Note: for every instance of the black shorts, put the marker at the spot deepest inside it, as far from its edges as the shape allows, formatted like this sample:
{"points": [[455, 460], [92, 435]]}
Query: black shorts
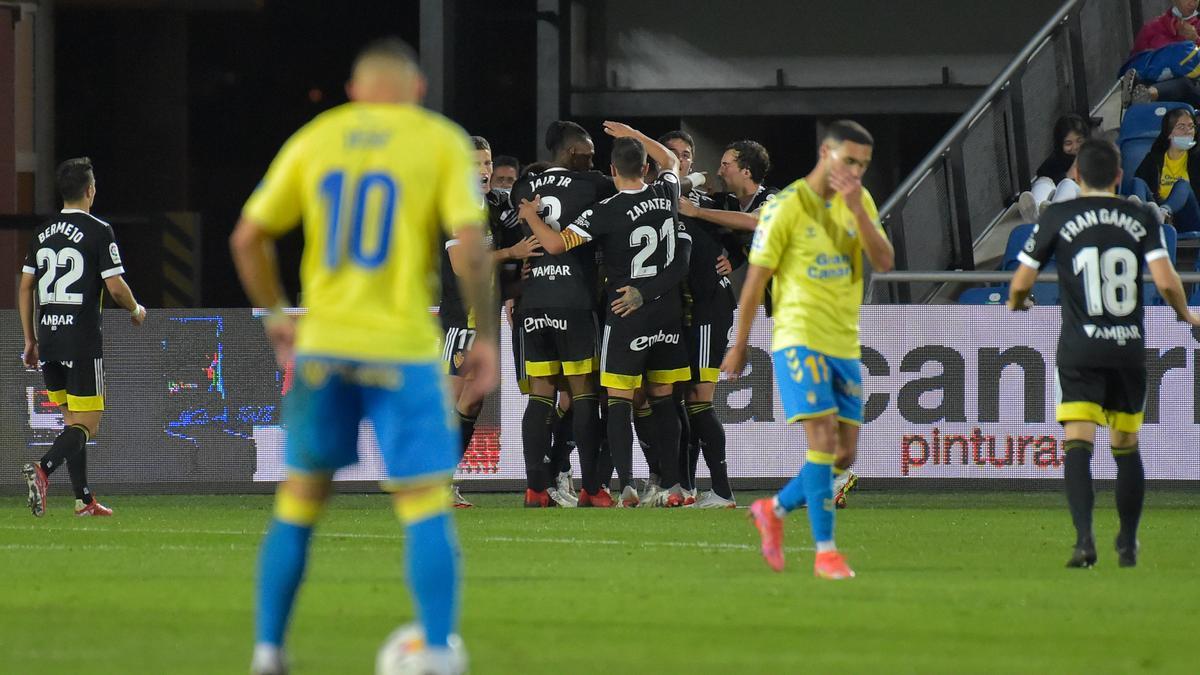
{"points": [[558, 340], [642, 344], [79, 385], [708, 338], [457, 342], [1112, 397]]}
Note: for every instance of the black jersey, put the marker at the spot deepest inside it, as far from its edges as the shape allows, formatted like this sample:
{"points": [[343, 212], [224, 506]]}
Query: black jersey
{"points": [[452, 311], [703, 281], [1099, 244], [638, 235], [71, 256], [566, 280], [738, 243]]}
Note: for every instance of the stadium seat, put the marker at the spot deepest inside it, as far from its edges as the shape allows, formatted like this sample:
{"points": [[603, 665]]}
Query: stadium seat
{"points": [[987, 295], [1140, 126], [1150, 295], [1016, 241]]}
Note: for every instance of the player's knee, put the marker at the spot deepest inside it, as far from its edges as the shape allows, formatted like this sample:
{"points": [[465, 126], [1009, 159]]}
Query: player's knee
{"points": [[541, 386], [300, 499], [414, 504], [1123, 440], [822, 434]]}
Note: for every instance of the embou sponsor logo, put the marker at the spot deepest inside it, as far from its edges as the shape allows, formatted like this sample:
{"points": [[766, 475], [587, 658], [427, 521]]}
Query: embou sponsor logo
{"points": [[646, 341], [534, 323]]}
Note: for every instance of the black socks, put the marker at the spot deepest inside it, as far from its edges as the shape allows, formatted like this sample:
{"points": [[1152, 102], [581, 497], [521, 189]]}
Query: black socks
{"points": [[535, 436], [1077, 472], [72, 439], [1131, 492], [620, 438], [711, 436]]}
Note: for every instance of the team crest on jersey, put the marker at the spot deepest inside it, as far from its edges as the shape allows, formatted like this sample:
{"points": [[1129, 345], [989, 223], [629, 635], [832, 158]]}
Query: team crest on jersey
{"points": [[459, 358], [114, 253], [315, 374]]}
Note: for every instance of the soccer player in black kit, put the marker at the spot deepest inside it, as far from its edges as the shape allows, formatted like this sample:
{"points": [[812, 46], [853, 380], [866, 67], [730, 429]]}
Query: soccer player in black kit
{"points": [[73, 259], [1100, 242], [556, 315], [645, 258]]}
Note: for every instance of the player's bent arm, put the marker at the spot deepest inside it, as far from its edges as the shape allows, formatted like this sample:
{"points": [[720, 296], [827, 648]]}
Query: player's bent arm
{"points": [[458, 257], [733, 220], [666, 160], [879, 250], [121, 293], [475, 279], [254, 257], [1166, 279], [1019, 287]]}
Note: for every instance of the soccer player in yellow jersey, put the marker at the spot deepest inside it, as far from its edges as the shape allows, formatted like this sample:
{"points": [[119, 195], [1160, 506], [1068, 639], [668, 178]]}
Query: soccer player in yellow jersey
{"points": [[811, 240], [376, 182]]}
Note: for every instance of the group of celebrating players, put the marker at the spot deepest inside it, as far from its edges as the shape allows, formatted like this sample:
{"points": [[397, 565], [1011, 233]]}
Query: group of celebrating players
{"points": [[619, 293]]}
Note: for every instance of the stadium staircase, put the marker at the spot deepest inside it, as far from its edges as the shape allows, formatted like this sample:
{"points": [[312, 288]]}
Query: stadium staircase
{"points": [[957, 210]]}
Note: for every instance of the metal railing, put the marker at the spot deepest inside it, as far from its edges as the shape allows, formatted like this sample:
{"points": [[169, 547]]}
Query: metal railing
{"points": [[977, 277], [972, 175]]}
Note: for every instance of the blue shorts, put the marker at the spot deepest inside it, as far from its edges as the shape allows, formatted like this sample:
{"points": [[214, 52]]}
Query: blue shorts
{"points": [[812, 384], [407, 404]]}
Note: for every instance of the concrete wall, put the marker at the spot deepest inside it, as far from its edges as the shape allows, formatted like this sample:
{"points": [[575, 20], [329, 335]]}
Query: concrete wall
{"points": [[816, 43]]}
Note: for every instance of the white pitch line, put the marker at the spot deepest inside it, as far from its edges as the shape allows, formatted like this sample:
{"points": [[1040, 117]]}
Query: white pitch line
{"points": [[703, 545]]}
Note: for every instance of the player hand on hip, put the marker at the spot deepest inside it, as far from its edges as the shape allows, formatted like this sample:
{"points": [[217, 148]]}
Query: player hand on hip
{"points": [[734, 362], [138, 315], [724, 267], [481, 369], [281, 331], [30, 356], [629, 302]]}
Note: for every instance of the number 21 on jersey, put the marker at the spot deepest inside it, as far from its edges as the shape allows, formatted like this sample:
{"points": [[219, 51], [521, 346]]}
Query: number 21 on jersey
{"points": [[374, 185]]}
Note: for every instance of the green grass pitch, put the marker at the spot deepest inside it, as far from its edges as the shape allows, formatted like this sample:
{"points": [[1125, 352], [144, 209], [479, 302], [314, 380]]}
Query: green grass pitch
{"points": [[947, 583]]}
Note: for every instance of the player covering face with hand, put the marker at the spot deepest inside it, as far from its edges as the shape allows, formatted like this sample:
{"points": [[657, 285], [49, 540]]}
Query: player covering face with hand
{"points": [[810, 240]]}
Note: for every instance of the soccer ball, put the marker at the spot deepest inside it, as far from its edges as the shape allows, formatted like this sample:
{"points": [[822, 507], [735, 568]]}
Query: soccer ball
{"points": [[404, 653]]}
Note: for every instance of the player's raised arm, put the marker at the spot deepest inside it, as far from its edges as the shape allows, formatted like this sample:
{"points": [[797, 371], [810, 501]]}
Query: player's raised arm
{"points": [[876, 246], [552, 241], [666, 160]]}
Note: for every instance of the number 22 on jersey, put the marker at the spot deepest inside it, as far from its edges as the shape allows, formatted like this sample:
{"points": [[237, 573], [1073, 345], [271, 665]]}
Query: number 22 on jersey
{"points": [[370, 186]]}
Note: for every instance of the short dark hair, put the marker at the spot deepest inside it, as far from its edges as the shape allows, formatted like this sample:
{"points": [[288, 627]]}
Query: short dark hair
{"points": [[1099, 163], [562, 133], [678, 135], [481, 143], [507, 160], [73, 177], [533, 169], [628, 157], [753, 157], [392, 48], [848, 130]]}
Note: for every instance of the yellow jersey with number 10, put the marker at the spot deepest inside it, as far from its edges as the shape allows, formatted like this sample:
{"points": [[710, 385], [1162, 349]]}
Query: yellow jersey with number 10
{"points": [[375, 185], [817, 255]]}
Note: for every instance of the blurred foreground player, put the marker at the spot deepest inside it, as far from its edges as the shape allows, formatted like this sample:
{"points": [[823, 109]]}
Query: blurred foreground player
{"points": [[811, 240], [374, 181], [1101, 363], [72, 260]]}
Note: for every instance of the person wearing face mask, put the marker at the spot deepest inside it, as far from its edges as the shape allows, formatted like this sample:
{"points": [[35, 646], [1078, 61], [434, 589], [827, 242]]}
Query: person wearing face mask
{"points": [[1171, 170], [1053, 184], [1163, 46]]}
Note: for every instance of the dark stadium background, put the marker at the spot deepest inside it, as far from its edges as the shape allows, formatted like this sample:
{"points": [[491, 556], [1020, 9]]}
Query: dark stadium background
{"points": [[183, 110]]}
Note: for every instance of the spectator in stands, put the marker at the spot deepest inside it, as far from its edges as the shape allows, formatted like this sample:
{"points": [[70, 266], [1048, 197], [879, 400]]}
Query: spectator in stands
{"points": [[1170, 173], [1156, 71], [505, 170], [1053, 182]]}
